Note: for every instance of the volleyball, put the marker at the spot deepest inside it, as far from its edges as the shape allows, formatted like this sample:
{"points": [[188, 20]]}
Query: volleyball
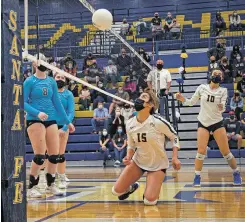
{"points": [[102, 19]]}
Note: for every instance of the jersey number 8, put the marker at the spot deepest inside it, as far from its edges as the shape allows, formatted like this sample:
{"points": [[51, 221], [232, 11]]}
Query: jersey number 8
{"points": [[141, 137], [210, 98], [45, 91]]}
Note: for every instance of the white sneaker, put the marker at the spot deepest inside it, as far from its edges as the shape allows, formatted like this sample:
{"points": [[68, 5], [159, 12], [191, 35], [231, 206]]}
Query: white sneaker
{"points": [[62, 181], [53, 189], [42, 180], [117, 163], [34, 193], [67, 180]]}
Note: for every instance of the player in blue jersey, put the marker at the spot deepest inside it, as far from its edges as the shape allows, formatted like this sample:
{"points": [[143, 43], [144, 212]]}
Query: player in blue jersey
{"points": [[42, 104], [67, 100]]}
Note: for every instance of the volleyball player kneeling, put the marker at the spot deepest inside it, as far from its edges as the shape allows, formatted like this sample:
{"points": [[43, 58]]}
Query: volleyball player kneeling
{"points": [[212, 101], [42, 104], [147, 132]]}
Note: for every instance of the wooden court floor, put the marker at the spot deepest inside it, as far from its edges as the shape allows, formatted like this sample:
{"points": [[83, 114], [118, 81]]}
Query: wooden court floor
{"points": [[89, 198]]}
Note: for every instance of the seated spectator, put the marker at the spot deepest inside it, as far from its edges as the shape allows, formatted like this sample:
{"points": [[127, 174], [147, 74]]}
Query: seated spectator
{"points": [[142, 80], [69, 64], [126, 112], [144, 55], [100, 118], [123, 62], [227, 70], [238, 66], [243, 123], [124, 27], [219, 24], [120, 93], [111, 74], [235, 53], [235, 21], [218, 52], [236, 104], [73, 87], [129, 86], [119, 142], [168, 22], [92, 73], [241, 85], [104, 145], [98, 96], [175, 30], [88, 61], [140, 26], [84, 98], [232, 126], [156, 22], [118, 119], [212, 65]]}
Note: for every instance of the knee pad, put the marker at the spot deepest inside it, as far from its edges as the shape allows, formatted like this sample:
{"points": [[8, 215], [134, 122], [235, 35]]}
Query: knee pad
{"points": [[115, 193], [53, 159], [62, 158], [229, 156], [39, 159], [200, 156], [150, 203]]}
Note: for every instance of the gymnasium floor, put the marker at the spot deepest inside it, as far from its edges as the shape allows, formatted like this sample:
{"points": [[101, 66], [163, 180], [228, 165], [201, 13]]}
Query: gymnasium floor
{"points": [[89, 198]]}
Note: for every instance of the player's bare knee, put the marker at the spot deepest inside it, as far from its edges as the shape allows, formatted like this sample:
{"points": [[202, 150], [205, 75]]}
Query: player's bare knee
{"points": [[200, 156]]}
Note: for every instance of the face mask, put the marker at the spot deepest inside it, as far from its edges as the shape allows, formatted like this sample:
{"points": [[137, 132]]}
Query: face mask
{"points": [[159, 66], [126, 107], [118, 113], [139, 104], [238, 58], [232, 117], [212, 61], [120, 91], [104, 133], [119, 131], [42, 68], [100, 106], [216, 79], [225, 60], [60, 84], [127, 80], [72, 81], [235, 14], [156, 16], [218, 45], [100, 85], [237, 94]]}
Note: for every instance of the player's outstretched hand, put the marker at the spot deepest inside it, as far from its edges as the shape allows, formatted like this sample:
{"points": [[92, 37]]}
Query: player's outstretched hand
{"points": [[126, 160], [179, 97], [42, 116], [176, 163], [71, 128]]}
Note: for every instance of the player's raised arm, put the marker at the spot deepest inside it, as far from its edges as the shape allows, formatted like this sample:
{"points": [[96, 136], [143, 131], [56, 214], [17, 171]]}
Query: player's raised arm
{"points": [[193, 100]]}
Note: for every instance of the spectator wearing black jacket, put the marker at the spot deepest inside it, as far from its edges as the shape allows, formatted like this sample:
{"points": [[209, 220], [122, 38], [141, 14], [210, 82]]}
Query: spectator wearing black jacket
{"points": [[88, 61], [142, 80], [238, 66], [212, 65], [235, 53], [117, 119], [232, 126], [241, 85], [98, 96], [123, 62], [218, 52], [226, 68], [219, 24], [104, 145]]}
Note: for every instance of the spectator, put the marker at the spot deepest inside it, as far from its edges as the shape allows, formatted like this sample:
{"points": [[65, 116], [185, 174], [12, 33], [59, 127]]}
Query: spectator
{"points": [[238, 66], [124, 27], [219, 24], [142, 80], [129, 86], [88, 61], [104, 145], [168, 22], [144, 55], [119, 142], [227, 70], [73, 87], [140, 26], [69, 64], [156, 21], [84, 98], [235, 21], [175, 30], [157, 31], [243, 123], [235, 53], [212, 65], [100, 118], [118, 119], [92, 73], [159, 79], [123, 62], [98, 96], [236, 104], [111, 74], [241, 85], [121, 94], [232, 127], [218, 52], [126, 112]]}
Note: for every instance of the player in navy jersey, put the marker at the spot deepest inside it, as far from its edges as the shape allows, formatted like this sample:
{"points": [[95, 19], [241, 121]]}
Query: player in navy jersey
{"points": [[42, 104], [213, 103], [147, 133], [67, 100]]}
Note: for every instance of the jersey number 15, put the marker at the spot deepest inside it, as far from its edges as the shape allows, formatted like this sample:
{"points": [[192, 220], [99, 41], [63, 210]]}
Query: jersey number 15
{"points": [[141, 137], [210, 98]]}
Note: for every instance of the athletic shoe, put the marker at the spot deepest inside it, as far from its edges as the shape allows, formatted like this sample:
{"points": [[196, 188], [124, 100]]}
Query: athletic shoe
{"points": [[62, 181], [134, 187], [197, 181], [104, 163], [53, 189], [42, 180], [237, 179], [117, 163], [67, 180], [34, 193]]}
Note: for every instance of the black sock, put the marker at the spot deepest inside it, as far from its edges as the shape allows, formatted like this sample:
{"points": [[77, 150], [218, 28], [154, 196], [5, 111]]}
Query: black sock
{"points": [[33, 182], [50, 179]]}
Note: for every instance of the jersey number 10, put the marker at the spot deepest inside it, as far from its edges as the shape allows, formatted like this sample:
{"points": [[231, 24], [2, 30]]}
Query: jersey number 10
{"points": [[210, 98], [141, 137]]}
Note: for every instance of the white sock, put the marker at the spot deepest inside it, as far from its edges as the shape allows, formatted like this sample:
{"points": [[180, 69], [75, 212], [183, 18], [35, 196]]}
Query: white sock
{"points": [[198, 172], [53, 174], [235, 170]]}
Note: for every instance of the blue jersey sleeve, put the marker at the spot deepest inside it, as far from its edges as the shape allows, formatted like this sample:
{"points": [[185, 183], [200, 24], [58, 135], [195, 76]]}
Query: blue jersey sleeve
{"points": [[70, 109], [27, 91], [57, 103]]}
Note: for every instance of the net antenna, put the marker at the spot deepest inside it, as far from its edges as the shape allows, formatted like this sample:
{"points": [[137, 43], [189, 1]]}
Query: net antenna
{"points": [[92, 10]]}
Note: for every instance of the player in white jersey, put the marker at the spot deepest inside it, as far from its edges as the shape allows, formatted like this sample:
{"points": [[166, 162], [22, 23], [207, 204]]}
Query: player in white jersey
{"points": [[213, 103], [147, 132]]}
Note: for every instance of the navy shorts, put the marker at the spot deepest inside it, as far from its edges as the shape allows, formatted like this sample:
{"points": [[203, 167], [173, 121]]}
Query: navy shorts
{"points": [[45, 123], [213, 127]]}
